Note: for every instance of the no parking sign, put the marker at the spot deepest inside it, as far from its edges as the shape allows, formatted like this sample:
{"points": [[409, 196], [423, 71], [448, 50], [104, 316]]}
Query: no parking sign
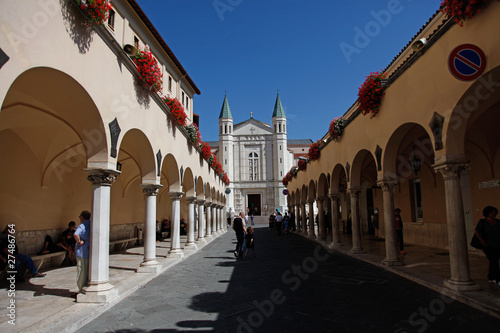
{"points": [[467, 62]]}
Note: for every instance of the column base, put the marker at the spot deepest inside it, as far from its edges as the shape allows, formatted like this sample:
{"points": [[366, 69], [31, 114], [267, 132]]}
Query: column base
{"points": [[98, 293], [357, 250], [201, 241], [311, 236], [335, 244], [152, 266], [461, 285], [209, 238], [190, 246], [392, 262], [176, 253]]}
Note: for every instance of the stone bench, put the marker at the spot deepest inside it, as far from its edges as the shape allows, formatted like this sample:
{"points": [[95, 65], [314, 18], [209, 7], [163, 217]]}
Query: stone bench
{"points": [[55, 259], [121, 244]]}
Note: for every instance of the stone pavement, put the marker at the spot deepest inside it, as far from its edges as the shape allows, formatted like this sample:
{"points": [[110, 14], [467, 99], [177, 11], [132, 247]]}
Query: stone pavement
{"points": [[48, 304]]}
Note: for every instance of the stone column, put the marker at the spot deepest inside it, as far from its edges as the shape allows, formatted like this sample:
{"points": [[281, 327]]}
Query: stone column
{"points": [[175, 235], [214, 219], [356, 226], [391, 245], [321, 218], [201, 221], [304, 219], [335, 220], [311, 220], [459, 257], [208, 222], [99, 289], [190, 244], [150, 265]]}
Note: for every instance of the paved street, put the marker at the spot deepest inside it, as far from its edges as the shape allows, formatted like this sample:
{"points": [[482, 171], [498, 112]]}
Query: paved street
{"points": [[293, 285]]}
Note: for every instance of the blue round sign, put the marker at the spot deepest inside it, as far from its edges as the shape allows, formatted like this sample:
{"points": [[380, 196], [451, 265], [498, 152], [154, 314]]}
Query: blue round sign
{"points": [[285, 192], [467, 62]]}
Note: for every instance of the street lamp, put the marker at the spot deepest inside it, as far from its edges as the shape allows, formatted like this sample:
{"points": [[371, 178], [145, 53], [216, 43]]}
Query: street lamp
{"points": [[415, 162]]}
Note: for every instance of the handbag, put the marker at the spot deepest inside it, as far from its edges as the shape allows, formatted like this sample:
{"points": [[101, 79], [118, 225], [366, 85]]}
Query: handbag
{"points": [[476, 243]]}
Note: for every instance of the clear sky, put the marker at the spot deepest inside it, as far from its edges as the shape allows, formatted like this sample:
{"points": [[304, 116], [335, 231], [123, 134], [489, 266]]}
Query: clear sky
{"points": [[316, 52]]}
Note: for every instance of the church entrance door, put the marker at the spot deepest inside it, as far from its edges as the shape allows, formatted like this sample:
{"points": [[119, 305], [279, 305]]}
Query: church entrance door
{"points": [[254, 204]]}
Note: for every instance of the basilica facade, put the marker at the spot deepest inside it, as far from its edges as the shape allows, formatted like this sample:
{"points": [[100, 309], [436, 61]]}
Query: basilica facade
{"points": [[256, 156]]}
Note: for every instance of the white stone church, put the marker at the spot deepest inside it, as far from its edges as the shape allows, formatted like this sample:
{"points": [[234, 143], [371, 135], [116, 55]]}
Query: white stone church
{"points": [[256, 156]]}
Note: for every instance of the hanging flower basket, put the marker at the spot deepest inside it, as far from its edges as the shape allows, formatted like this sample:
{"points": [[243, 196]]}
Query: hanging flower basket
{"points": [[302, 164], [194, 135], [206, 152], [336, 129], [461, 11], [176, 110], [314, 152], [287, 178], [149, 70], [370, 94], [225, 179], [97, 11]]}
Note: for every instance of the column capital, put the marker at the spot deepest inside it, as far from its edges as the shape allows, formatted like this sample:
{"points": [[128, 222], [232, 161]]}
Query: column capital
{"points": [[303, 202], [387, 185], [207, 203], [321, 198], [103, 177], [450, 170], [200, 201], [354, 190], [191, 200], [151, 189], [175, 195]]}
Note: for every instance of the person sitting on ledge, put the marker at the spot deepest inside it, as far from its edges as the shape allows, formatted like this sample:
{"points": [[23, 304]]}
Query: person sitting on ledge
{"points": [[24, 259]]}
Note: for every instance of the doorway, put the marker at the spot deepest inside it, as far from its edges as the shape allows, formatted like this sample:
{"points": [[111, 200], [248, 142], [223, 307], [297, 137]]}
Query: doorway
{"points": [[254, 204]]}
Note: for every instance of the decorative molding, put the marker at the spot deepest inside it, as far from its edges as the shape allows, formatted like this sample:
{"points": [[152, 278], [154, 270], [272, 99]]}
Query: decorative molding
{"points": [[151, 189], [115, 130], [158, 161], [436, 125]]}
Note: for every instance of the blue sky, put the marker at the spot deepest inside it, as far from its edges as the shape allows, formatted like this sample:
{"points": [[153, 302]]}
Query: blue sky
{"points": [[316, 52]]}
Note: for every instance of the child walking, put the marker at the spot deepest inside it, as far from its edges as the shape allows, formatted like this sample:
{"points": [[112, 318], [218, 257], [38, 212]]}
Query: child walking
{"points": [[249, 242]]}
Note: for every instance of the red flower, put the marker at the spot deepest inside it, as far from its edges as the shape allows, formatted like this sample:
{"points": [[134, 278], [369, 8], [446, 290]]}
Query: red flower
{"points": [[96, 10], [206, 152], [149, 70], [302, 164], [314, 152], [176, 110], [461, 10], [370, 93]]}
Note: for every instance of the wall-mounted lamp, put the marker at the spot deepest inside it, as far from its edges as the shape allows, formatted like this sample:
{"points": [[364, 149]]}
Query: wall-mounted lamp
{"points": [[303, 158], [415, 162], [419, 44], [118, 166]]}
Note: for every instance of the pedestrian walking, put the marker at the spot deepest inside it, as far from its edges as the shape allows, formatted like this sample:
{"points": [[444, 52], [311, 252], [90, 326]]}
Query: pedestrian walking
{"points": [[249, 242], [488, 232], [240, 230]]}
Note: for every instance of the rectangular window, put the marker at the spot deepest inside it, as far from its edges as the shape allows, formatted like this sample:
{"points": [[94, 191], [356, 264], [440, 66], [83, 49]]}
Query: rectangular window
{"points": [[187, 103], [183, 98], [169, 83], [416, 197], [136, 42], [111, 19]]}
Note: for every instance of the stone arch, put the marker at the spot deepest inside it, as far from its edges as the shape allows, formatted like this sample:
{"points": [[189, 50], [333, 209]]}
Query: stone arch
{"points": [[137, 160], [481, 96], [50, 129], [188, 183]]}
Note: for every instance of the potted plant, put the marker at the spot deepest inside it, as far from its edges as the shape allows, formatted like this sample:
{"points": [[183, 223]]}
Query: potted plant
{"points": [[314, 152], [176, 110], [461, 11], [97, 11], [336, 129], [149, 70], [370, 93], [194, 135]]}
